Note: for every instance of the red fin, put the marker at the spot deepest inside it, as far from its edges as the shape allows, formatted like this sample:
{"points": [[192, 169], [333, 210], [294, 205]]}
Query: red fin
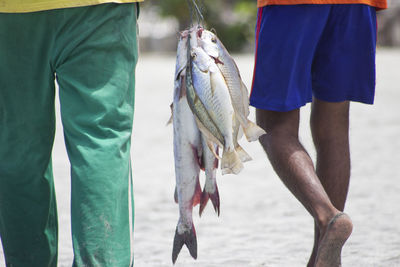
{"points": [[205, 196], [197, 193], [215, 200], [203, 201]]}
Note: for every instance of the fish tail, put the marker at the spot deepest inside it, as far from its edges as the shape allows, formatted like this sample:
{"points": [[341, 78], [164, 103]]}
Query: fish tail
{"points": [[243, 155], [188, 239], [253, 131], [214, 196], [231, 162]]}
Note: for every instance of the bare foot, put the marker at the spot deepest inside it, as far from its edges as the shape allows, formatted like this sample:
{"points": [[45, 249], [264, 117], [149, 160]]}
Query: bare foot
{"points": [[330, 248], [311, 260]]}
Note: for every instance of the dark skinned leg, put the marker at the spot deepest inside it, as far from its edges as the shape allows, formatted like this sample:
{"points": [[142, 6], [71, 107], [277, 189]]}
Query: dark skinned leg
{"points": [[296, 170], [330, 130], [292, 163]]}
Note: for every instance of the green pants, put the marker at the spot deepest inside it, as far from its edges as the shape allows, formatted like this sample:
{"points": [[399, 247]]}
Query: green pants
{"points": [[92, 53]]}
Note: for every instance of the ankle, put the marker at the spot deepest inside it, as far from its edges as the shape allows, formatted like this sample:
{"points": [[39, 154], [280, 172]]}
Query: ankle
{"points": [[324, 219]]}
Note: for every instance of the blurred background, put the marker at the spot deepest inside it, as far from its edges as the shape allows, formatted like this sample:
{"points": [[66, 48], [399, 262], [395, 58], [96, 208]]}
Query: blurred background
{"points": [[234, 22]]}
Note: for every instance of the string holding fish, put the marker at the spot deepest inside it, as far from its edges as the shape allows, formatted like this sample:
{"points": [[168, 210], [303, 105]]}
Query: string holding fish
{"points": [[195, 9]]}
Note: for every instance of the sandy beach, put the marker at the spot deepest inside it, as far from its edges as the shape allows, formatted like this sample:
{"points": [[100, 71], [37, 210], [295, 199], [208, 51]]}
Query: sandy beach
{"points": [[261, 223]]}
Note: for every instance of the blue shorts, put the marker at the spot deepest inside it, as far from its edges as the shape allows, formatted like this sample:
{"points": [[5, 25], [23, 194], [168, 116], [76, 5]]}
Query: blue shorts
{"points": [[325, 51]]}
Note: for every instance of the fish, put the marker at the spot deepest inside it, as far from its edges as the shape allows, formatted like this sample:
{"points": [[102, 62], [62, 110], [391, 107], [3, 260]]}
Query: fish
{"points": [[211, 90], [237, 89], [202, 117], [210, 166], [187, 154], [209, 111]]}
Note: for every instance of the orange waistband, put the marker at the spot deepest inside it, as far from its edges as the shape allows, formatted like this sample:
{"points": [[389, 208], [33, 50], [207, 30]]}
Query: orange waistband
{"points": [[380, 4]]}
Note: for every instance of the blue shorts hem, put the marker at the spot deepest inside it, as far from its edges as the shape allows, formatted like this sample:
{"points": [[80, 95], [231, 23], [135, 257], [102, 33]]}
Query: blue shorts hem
{"points": [[358, 99], [280, 108], [285, 108]]}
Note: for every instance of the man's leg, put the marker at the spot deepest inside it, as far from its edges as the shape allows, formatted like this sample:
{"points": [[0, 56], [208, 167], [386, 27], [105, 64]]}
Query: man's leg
{"points": [[28, 210], [330, 130], [295, 168], [96, 78]]}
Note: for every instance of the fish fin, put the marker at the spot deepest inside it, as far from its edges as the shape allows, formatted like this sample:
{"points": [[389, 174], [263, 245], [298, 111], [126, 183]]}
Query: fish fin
{"points": [[205, 196], [243, 155], [231, 162], [197, 192], [176, 195], [210, 145], [252, 131], [203, 201], [215, 200], [169, 121], [187, 238], [172, 114], [226, 171]]}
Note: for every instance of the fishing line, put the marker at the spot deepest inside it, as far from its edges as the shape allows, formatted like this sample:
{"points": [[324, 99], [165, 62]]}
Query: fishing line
{"points": [[195, 10], [190, 6], [200, 17]]}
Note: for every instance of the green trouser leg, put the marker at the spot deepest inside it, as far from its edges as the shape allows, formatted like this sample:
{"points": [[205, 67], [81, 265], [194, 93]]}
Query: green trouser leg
{"points": [[96, 79], [93, 52], [28, 215]]}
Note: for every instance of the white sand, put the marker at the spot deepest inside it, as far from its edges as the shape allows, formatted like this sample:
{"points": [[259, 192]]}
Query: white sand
{"points": [[261, 223]]}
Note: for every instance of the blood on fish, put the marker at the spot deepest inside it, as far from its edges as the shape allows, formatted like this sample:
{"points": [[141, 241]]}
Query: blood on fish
{"points": [[217, 61]]}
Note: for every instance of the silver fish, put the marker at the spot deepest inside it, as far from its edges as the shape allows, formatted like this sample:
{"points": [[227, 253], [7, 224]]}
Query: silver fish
{"points": [[187, 151], [212, 91], [237, 89], [203, 119]]}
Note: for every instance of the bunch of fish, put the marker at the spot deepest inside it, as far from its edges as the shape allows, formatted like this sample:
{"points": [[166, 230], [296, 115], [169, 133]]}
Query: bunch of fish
{"points": [[209, 111]]}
